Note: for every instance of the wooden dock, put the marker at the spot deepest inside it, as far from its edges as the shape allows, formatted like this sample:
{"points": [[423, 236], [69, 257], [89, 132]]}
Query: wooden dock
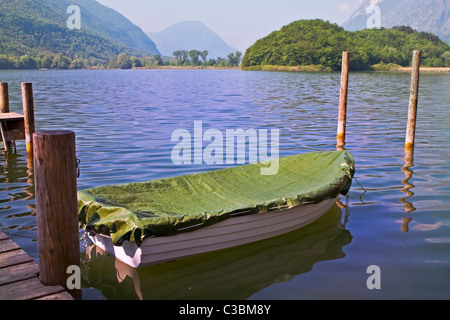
{"points": [[19, 276]]}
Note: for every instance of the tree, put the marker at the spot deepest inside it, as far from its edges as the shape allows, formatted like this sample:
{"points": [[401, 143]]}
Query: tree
{"points": [[234, 59], [211, 62], [6, 63], [112, 64], [123, 61], [238, 57], [194, 57], [135, 62], [177, 55], [184, 57], [221, 62], [77, 64], [60, 62], [27, 62], [181, 57], [158, 60], [203, 55], [46, 62]]}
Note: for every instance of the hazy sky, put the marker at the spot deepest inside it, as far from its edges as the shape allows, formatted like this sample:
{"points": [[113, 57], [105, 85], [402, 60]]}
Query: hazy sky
{"points": [[239, 22]]}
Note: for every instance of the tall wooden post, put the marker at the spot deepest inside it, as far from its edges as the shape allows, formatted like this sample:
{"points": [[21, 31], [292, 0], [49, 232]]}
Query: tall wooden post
{"points": [[413, 99], [342, 120], [4, 98], [56, 206], [28, 112], [4, 107]]}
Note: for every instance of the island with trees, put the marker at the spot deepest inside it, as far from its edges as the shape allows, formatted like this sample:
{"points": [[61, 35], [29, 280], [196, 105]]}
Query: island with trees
{"points": [[318, 45]]}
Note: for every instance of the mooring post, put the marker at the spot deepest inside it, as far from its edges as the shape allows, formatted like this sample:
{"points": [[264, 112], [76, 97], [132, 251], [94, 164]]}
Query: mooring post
{"points": [[342, 120], [56, 207], [4, 98], [4, 107], [28, 112], [413, 99]]}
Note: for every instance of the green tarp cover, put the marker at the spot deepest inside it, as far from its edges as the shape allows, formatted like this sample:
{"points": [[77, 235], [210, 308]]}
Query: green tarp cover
{"points": [[169, 206]]}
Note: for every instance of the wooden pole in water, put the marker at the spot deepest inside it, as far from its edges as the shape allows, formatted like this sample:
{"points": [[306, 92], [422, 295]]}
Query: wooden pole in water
{"points": [[342, 120], [56, 206], [28, 112], [413, 99], [4, 98], [4, 107]]}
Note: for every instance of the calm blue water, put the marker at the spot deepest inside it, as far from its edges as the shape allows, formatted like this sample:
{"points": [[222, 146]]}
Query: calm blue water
{"points": [[396, 217]]}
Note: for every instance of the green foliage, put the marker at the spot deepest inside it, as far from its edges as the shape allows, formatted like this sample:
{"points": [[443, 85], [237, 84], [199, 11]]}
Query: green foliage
{"points": [[6, 62], [192, 58], [60, 62], [33, 34], [320, 43], [234, 59]]}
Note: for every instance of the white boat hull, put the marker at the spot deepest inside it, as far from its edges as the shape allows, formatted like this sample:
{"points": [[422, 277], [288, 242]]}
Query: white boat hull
{"points": [[225, 234]]}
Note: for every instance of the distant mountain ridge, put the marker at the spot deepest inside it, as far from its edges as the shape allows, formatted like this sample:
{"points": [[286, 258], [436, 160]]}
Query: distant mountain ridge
{"points": [[190, 35], [424, 15], [37, 28], [109, 23]]}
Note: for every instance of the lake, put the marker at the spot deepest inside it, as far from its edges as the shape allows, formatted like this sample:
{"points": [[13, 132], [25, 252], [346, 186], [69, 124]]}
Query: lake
{"points": [[396, 215]]}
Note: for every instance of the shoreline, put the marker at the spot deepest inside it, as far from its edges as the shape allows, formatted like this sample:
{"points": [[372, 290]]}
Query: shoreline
{"points": [[425, 69], [259, 68], [185, 68], [294, 69], [313, 68]]}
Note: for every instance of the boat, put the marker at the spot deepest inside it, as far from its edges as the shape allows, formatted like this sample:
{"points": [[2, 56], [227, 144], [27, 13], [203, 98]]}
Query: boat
{"points": [[158, 221], [236, 273]]}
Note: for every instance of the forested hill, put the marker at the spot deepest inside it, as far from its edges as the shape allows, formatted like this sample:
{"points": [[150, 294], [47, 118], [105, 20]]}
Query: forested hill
{"points": [[34, 33], [320, 44]]}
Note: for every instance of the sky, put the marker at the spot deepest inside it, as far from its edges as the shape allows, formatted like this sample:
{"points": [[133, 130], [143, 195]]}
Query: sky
{"points": [[239, 22]]}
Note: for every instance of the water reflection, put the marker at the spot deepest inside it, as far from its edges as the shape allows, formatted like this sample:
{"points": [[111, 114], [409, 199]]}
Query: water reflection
{"points": [[235, 273], [407, 205]]}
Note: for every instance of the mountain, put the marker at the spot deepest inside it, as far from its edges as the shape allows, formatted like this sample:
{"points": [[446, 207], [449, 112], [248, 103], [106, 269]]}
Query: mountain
{"points": [[190, 35], [424, 15], [319, 45], [39, 27], [109, 23]]}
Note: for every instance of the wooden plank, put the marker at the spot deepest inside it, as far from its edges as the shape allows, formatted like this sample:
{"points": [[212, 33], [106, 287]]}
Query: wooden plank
{"points": [[57, 296], [18, 272], [8, 245], [13, 126], [11, 116], [13, 257], [14, 134], [27, 290], [3, 236], [19, 275]]}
